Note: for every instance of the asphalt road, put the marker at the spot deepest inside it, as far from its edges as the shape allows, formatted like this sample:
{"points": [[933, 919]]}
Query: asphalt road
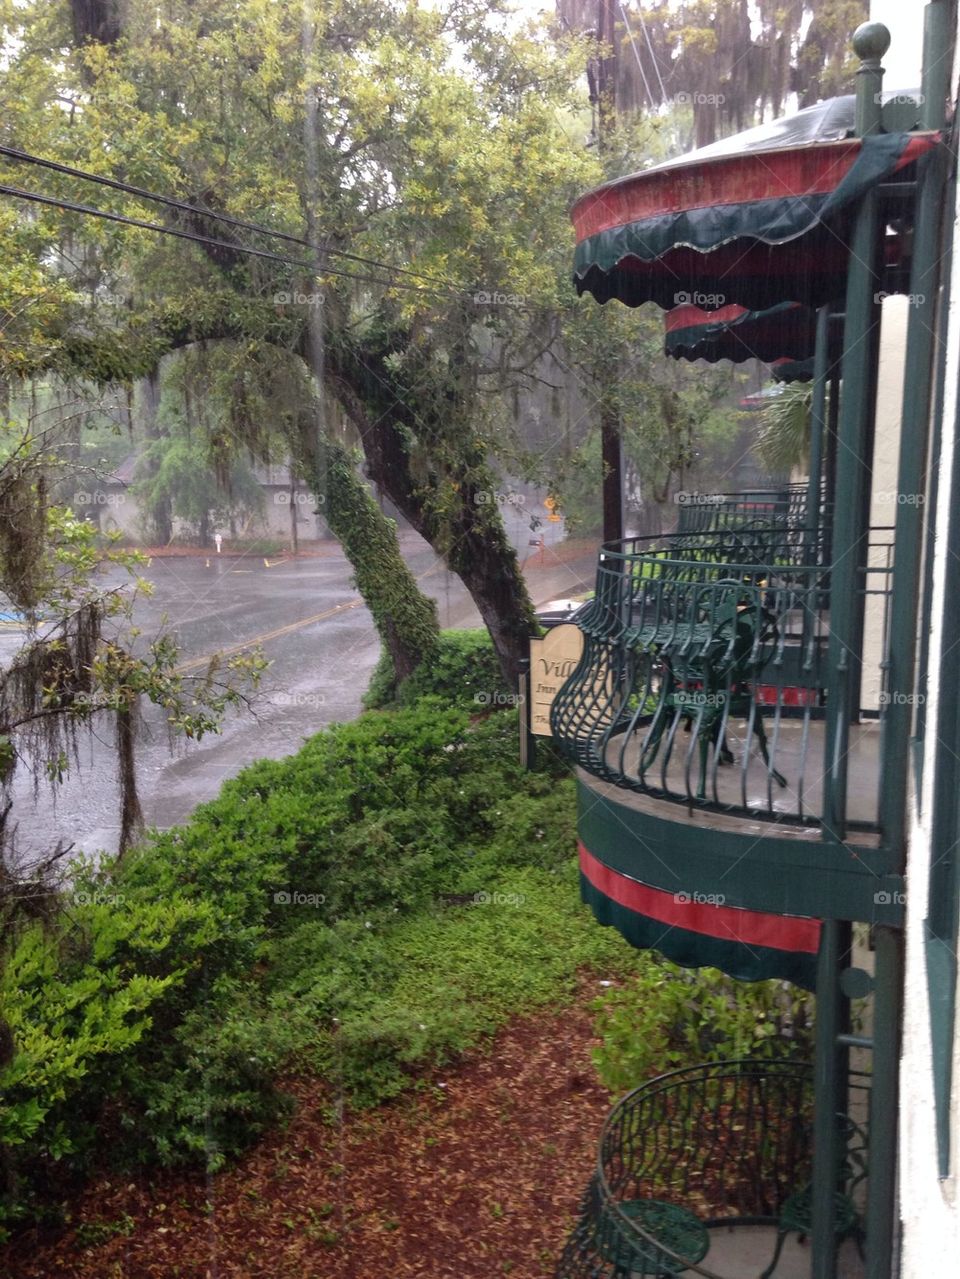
{"points": [[322, 647]]}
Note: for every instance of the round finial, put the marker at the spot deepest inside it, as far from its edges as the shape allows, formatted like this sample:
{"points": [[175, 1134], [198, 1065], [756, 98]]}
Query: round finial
{"points": [[871, 40], [856, 983]]}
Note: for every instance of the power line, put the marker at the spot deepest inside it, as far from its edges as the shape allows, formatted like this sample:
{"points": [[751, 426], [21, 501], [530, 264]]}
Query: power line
{"points": [[88, 210], [26, 157], [653, 56], [433, 284], [36, 197], [636, 53]]}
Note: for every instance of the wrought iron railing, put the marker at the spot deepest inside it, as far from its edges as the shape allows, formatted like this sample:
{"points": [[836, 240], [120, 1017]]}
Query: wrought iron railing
{"points": [[724, 1143], [758, 509], [704, 675], [700, 512]]}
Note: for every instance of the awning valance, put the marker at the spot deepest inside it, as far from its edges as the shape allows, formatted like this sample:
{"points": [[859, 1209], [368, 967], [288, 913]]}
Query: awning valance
{"points": [[792, 370], [746, 944], [750, 229], [785, 331]]}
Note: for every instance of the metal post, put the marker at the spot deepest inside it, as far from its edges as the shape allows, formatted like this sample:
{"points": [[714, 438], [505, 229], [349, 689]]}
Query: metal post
{"points": [[882, 1182], [829, 1094], [870, 42], [930, 506], [901, 652], [855, 444], [527, 739], [849, 549]]}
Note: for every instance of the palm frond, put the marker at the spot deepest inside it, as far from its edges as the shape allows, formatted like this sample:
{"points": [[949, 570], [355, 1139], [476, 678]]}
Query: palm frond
{"points": [[784, 440]]}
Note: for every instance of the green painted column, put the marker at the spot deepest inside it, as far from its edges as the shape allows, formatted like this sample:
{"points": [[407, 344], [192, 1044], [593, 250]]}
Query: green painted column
{"points": [[830, 1091], [901, 655], [914, 439], [882, 1182], [849, 550], [854, 447]]}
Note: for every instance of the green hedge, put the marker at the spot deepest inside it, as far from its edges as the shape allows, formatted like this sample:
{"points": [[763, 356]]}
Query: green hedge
{"points": [[666, 1017], [465, 672], [369, 907], [373, 904]]}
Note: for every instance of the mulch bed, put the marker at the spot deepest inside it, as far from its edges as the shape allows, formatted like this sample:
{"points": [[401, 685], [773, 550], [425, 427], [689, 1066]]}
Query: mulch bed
{"points": [[476, 1174]]}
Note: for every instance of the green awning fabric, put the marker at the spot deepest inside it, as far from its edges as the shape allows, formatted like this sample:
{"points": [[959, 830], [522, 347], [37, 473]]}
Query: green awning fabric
{"points": [[712, 230], [747, 945], [786, 332]]}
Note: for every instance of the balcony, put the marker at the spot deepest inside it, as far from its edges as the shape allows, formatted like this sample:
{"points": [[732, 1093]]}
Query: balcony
{"points": [[698, 1168], [698, 716]]}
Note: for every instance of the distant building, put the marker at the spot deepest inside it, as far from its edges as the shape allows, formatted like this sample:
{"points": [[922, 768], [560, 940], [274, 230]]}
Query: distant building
{"points": [[113, 506]]}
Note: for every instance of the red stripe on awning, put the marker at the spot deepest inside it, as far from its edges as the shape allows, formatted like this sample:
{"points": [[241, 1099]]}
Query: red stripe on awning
{"points": [[688, 316], [814, 169], [727, 923]]}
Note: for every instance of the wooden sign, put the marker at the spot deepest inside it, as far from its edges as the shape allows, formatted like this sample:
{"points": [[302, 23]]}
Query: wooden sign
{"points": [[553, 660]]}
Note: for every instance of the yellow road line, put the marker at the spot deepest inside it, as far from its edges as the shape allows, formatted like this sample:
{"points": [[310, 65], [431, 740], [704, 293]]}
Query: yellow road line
{"points": [[195, 663]]}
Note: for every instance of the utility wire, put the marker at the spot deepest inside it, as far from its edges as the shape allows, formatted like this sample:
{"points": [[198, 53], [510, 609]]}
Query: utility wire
{"points": [[73, 207], [25, 157], [37, 197], [653, 56], [636, 53]]}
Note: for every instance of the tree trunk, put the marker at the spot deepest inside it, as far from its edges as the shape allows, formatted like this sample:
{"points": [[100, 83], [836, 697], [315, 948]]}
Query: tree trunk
{"points": [[96, 20], [131, 815], [405, 618], [160, 515], [472, 538], [490, 572]]}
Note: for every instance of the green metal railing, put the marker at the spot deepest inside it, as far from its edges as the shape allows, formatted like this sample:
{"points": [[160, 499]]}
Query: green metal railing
{"points": [[720, 1144], [704, 676], [784, 507]]}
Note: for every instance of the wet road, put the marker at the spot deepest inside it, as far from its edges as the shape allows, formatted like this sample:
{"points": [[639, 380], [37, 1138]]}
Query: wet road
{"points": [[322, 647]]}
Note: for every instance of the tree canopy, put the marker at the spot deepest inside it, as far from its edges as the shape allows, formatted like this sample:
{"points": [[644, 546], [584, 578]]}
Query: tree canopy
{"points": [[420, 162]]}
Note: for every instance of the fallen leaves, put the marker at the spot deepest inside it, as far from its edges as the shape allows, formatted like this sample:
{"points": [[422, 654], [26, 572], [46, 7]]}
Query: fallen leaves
{"points": [[472, 1176]]}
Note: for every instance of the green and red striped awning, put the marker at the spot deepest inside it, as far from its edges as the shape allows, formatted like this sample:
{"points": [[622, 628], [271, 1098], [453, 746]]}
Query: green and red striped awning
{"points": [[787, 331], [749, 945], [750, 229]]}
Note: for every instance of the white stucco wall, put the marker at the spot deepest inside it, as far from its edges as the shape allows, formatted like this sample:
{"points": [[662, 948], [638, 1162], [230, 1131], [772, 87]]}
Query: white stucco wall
{"points": [[930, 1209], [884, 494]]}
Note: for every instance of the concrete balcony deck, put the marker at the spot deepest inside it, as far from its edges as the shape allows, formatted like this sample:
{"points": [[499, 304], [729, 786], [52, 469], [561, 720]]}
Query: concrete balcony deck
{"points": [[797, 750]]}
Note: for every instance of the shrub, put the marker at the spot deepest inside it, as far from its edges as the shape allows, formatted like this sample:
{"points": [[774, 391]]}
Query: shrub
{"points": [[80, 1000], [435, 983], [667, 1017], [465, 672], [154, 1019]]}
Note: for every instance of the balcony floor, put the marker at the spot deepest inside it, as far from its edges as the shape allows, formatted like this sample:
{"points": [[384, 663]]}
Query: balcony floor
{"points": [[803, 771], [745, 1252]]}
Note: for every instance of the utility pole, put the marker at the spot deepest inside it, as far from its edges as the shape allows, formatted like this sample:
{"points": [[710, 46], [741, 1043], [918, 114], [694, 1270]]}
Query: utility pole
{"points": [[610, 443]]}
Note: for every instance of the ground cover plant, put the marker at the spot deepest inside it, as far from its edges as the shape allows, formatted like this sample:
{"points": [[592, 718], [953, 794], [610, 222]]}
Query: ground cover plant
{"points": [[376, 902], [361, 911]]}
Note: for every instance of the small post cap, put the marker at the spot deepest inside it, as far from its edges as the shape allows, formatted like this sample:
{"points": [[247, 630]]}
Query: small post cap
{"points": [[871, 40]]}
